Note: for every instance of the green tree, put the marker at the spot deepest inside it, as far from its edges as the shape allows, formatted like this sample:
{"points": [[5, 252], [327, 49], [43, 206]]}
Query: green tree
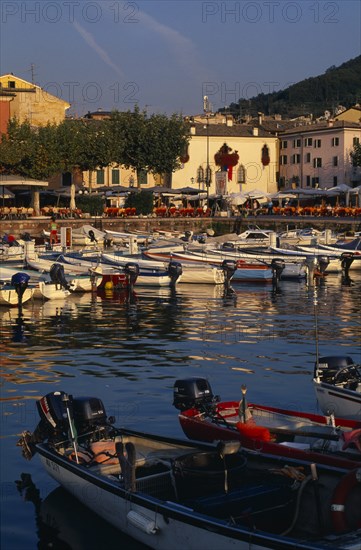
{"points": [[29, 152], [151, 144], [356, 155]]}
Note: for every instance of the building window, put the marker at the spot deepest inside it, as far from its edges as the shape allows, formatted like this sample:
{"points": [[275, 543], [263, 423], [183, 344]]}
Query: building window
{"points": [[308, 181], [284, 144], [66, 179], [308, 142], [335, 142], [308, 157], [11, 84], [317, 162], [100, 177], [115, 177], [283, 159], [142, 177], [334, 181], [334, 161], [317, 143], [356, 141], [296, 143], [295, 159], [241, 174], [315, 182]]}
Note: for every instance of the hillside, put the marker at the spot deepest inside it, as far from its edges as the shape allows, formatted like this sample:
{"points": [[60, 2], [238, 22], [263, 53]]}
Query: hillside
{"points": [[337, 86]]}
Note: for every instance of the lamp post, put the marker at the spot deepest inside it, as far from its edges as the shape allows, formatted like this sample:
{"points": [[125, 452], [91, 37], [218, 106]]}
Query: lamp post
{"points": [[207, 111]]}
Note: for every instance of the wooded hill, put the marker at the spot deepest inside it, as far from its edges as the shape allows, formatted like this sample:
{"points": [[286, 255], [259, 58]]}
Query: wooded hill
{"points": [[337, 86]]}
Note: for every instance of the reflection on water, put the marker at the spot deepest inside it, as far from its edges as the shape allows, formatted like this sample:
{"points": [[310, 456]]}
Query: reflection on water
{"points": [[58, 517], [128, 349]]}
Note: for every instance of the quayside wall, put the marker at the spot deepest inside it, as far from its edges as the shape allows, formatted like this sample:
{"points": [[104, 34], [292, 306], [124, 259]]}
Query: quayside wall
{"points": [[221, 225]]}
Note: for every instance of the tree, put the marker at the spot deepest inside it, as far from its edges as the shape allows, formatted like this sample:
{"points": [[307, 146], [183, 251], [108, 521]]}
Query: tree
{"points": [[29, 152], [152, 144], [82, 146], [356, 155]]}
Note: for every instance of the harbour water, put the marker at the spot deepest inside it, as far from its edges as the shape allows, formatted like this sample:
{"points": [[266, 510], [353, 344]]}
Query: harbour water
{"points": [[129, 349]]}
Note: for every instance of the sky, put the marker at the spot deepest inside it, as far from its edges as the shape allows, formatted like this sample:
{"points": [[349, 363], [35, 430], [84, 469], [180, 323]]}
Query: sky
{"points": [[165, 56]]}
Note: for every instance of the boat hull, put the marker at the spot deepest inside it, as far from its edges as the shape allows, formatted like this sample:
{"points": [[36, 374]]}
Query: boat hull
{"points": [[9, 296], [163, 522], [340, 401], [199, 427]]}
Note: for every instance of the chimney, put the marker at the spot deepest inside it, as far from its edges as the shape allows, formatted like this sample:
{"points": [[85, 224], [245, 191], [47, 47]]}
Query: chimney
{"points": [[330, 122], [193, 129], [229, 120], [255, 131], [260, 115]]}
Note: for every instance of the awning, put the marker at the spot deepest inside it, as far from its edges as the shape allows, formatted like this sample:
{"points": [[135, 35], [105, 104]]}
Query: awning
{"points": [[5, 193], [19, 181]]}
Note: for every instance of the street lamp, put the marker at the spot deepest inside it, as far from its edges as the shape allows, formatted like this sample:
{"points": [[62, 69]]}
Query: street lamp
{"points": [[207, 111]]}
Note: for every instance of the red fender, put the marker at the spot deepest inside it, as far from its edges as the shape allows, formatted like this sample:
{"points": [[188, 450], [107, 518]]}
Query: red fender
{"points": [[339, 498]]}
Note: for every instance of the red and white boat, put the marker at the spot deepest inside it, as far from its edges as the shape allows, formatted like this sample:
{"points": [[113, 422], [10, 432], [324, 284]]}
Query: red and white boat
{"points": [[271, 430]]}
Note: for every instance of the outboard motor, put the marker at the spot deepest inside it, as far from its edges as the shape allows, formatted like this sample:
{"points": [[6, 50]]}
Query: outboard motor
{"points": [[194, 392], [131, 270], [57, 276], [20, 282], [87, 413], [346, 260], [174, 271], [327, 368], [92, 237], [277, 266], [229, 268], [188, 236]]}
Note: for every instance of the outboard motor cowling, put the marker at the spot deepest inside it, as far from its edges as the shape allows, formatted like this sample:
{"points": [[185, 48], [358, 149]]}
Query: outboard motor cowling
{"points": [[20, 282], [193, 392], [346, 260], [131, 270], [326, 368], [57, 275], [229, 268], [174, 271], [92, 237]]}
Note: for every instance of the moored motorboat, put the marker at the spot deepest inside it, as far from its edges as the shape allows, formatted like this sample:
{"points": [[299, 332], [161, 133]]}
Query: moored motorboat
{"points": [[337, 383], [169, 493], [150, 274], [304, 436], [16, 291]]}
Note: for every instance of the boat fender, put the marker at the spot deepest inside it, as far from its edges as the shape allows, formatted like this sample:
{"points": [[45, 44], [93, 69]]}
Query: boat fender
{"points": [[339, 498], [251, 430], [143, 523]]}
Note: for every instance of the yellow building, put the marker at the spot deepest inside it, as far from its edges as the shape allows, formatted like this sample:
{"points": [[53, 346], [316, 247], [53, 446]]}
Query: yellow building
{"points": [[32, 103], [353, 114], [207, 136]]}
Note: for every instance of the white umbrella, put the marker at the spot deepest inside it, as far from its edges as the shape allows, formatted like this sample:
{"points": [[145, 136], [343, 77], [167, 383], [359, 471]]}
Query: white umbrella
{"points": [[257, 194], [237, 198]]}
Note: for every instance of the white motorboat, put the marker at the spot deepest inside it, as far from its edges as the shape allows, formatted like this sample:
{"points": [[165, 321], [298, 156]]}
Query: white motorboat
{"points": [[192, 272], [337, 383], [12, 294], [85, 279], [246, 270], [150, 274], [168, 493]]}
